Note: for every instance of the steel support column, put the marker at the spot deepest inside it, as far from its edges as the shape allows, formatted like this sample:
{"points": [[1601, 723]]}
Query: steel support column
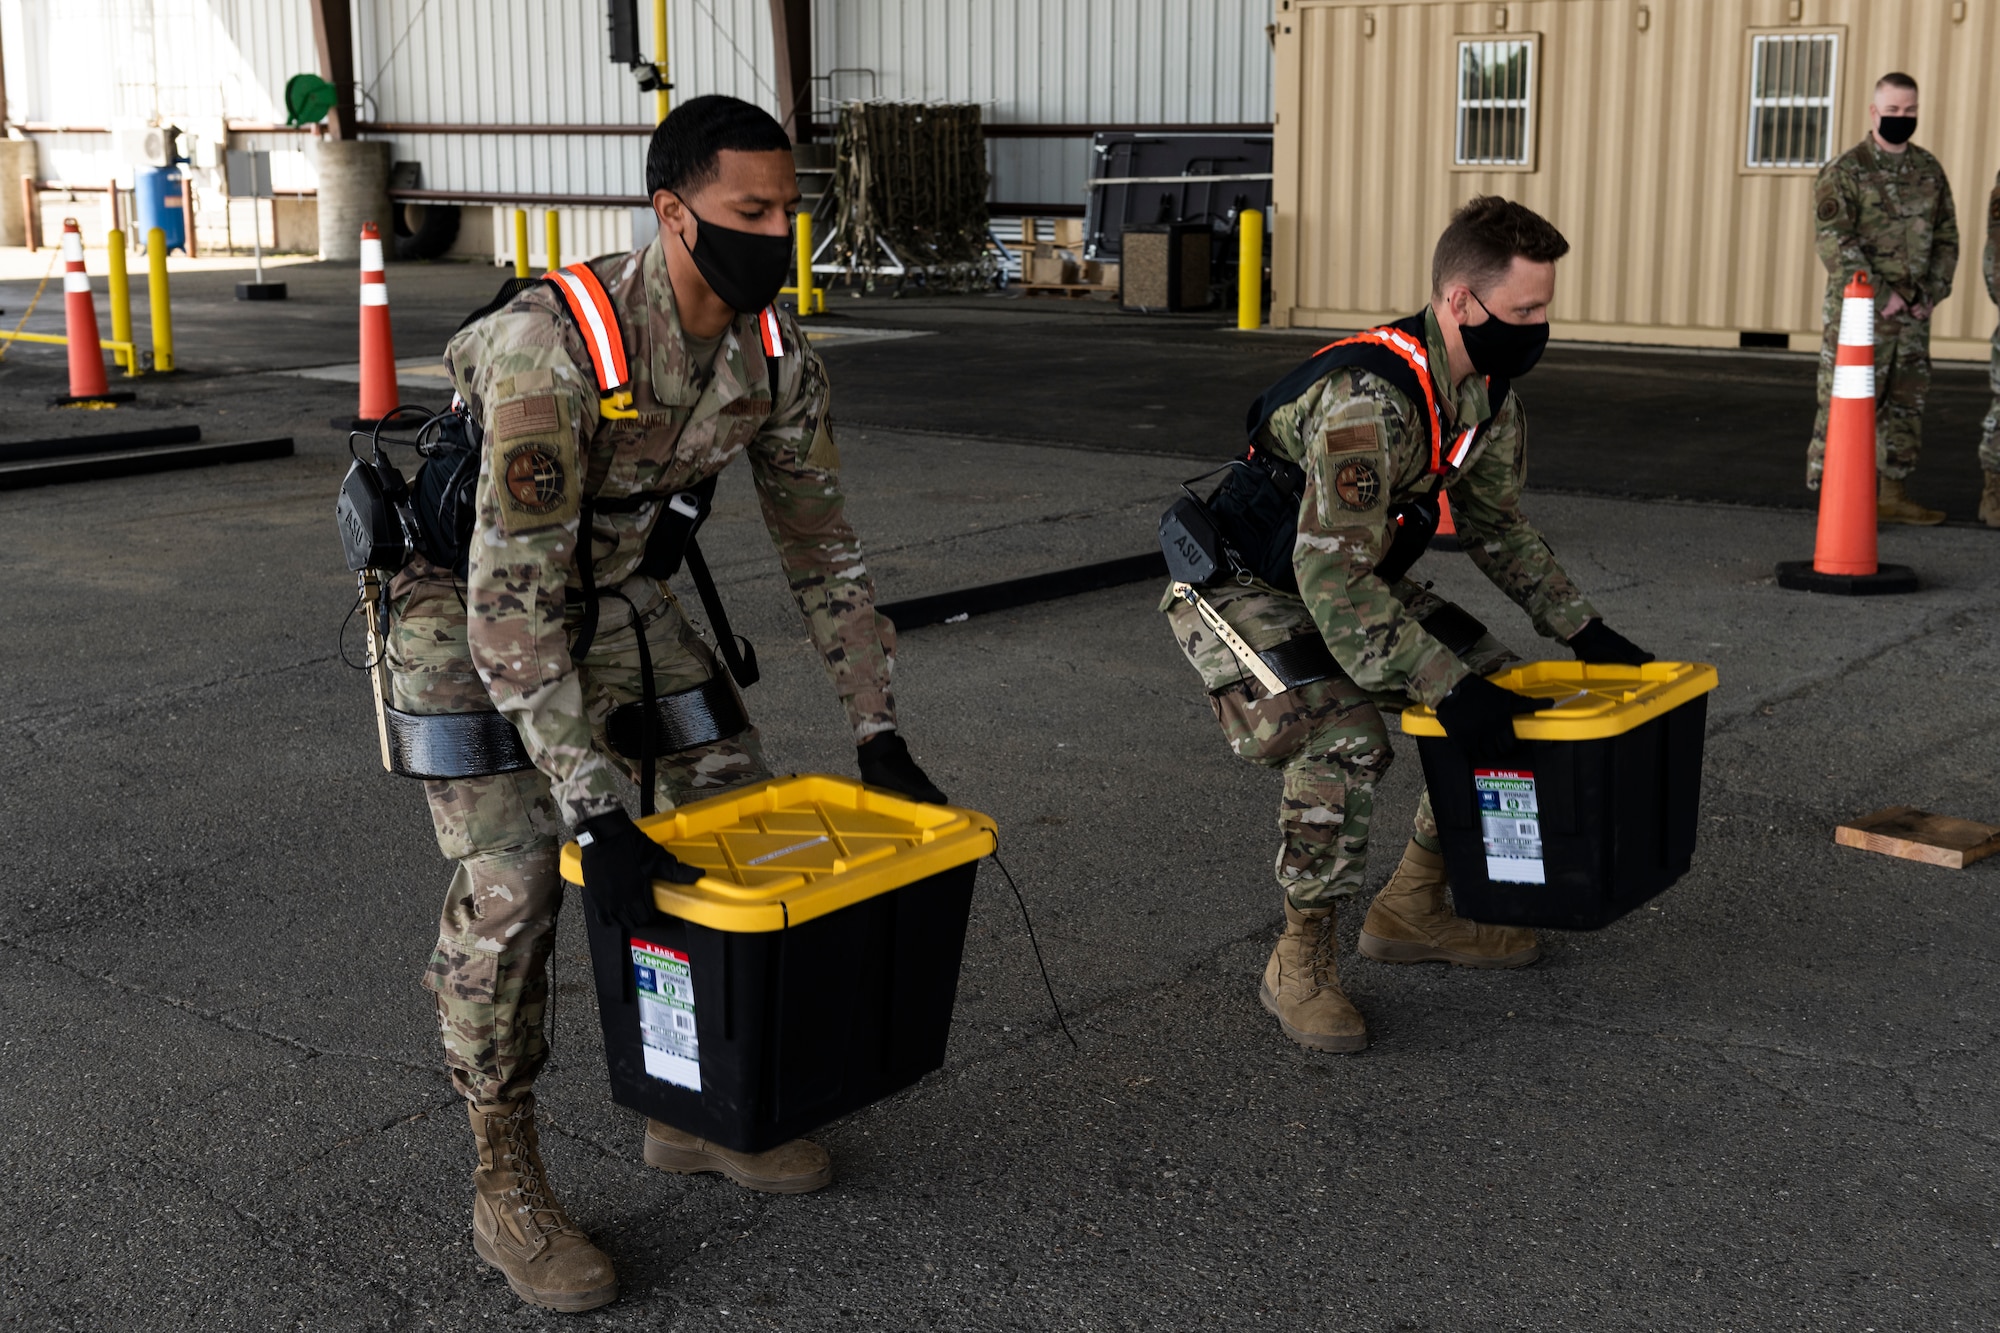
{"points": [[791, 39], [333, 34]]}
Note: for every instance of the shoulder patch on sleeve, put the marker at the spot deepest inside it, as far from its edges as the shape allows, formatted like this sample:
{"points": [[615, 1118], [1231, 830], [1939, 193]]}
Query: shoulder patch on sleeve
{"points": [[525, 416], [533, 458], [1829, 208], [1356, 439], [1993, 209], [1358, 485]]}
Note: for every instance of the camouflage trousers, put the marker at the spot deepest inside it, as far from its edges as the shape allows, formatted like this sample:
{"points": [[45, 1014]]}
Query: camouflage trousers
{"points": [[1989, 433], [1330, 741], [1902, 381], [489, 969]]}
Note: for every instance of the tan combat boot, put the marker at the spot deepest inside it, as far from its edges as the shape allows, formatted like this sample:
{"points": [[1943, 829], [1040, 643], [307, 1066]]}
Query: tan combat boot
{"points": [[1411, 921], [1989, 501], [517, 1224], [798, 1167], [1892, 505], [1302, 985]]}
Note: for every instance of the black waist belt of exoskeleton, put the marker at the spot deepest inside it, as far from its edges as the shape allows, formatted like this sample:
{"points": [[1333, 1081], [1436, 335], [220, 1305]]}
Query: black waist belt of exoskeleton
{"points": [[466, 745], [1306, 660], [472, 745]]}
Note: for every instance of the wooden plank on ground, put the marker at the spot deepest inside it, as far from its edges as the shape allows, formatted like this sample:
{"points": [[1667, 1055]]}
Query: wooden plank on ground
{"points": [[1917, 835]]}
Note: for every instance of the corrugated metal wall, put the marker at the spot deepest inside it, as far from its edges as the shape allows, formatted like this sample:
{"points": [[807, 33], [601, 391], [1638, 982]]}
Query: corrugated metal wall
{"points": [[106, 62], [524, 62], [1051, 62], [97, 62], [1640, 156]]}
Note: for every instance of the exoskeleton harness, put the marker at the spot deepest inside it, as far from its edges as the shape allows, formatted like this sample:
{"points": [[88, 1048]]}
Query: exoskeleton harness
{"points": [[1248, 525], [384, 521]]}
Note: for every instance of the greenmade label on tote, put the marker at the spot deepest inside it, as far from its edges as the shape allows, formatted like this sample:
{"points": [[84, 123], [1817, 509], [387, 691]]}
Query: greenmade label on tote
{"points": [[665, 984], [1511, 823]]}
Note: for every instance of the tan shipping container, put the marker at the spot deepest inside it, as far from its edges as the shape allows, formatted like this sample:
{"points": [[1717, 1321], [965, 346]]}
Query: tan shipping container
{"points": [[1629, 124]]}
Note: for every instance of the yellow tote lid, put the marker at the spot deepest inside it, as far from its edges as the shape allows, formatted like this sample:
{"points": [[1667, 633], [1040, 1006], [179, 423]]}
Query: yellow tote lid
{"points": [[1593, 702], [786, 850]]}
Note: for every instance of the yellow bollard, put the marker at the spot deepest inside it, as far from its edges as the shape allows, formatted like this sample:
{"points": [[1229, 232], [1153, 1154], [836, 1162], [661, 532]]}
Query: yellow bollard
{"points": [[1250, 271], [805, 287], [156, 297], [663, 99], [520, 242], [121, 303], [554, 227]]}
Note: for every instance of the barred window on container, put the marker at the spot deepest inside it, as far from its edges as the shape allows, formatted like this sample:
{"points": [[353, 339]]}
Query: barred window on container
{"points": [[1496, 103], [1791, 99]]}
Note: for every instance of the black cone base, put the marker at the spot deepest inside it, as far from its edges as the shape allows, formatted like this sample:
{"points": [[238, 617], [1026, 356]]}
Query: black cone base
{"points": [[260, 291], [1800, 576], [93, 399]]}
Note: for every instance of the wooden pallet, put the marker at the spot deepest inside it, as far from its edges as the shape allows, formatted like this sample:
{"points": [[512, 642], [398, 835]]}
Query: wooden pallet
{"points": [[1916, 835], [1069, 290]]}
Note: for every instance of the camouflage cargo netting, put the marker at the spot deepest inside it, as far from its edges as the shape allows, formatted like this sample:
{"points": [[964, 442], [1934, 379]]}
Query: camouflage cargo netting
{"points": [[913, 176]]}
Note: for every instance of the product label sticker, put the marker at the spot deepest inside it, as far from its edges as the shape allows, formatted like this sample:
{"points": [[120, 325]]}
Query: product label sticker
{"points": [[1511, 822], [666, 1014]]}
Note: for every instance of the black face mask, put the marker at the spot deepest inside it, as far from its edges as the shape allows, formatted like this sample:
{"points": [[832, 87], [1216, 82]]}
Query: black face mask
{"points": [[1897, 129], [745, 268], [1499, 348]]}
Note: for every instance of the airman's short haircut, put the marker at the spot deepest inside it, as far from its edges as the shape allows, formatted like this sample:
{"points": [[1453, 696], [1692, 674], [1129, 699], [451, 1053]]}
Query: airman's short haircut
{"points": [[1896, 79], [1484, 239], [682, 155]]}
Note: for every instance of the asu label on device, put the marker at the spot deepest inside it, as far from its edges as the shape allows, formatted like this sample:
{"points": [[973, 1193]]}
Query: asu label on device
{"points": [[1510, 821], [665, 983]]}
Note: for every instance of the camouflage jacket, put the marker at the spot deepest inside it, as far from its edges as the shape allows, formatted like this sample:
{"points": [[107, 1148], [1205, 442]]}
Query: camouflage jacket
{"points": [[526, 375], [1888, 215], [1992, 238], [1364, 447]]}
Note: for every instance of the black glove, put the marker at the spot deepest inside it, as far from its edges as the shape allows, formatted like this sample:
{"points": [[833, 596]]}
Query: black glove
{"points": [[1479, 716], [1598, 642], [885, 762], [620, 864]]}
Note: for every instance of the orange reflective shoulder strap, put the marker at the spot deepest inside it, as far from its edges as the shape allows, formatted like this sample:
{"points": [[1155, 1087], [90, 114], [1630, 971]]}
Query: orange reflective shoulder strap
{"points": [[772, 331], [1412, 353], [591, 305]]}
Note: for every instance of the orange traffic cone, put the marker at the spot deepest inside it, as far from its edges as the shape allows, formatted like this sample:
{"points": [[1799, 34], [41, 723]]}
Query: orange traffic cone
{"points": [[1844, 552], [87, 384], [378, 350]]}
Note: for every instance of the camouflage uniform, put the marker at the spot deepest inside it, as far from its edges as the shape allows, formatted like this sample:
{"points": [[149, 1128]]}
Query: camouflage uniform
{"points": [[1989, 439], [503, 640], [1364, 447], [1888, 215]]}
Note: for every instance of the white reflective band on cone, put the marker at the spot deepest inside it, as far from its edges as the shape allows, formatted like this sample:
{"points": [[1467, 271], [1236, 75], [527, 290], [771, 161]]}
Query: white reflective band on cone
{"points": [[76, 282], [1854, 381], [1857, 322], [371, 255], [72, 248], [374, 293]]}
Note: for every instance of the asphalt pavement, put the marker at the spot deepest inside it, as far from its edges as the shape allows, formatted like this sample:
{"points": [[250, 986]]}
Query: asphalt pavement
{"points": [[1766, 1101]]}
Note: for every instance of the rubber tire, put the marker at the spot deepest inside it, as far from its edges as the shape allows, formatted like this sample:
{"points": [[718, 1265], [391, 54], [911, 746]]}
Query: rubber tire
{"points": [[425, 231]]}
